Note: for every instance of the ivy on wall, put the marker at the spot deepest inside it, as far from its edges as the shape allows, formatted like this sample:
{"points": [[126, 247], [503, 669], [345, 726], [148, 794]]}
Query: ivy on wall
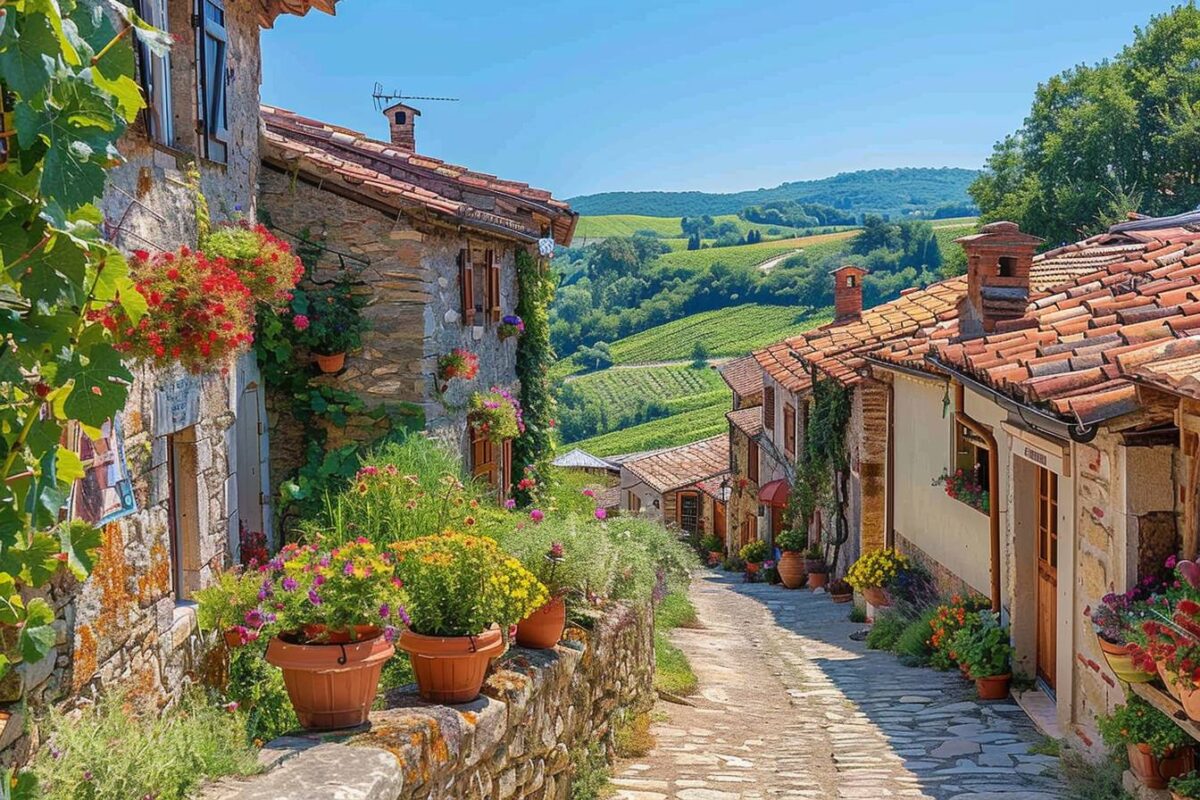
{"points": [[823, 457], [533, 449]]}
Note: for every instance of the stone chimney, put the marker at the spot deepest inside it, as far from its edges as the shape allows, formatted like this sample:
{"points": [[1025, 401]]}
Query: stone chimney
{"points": [[999, 259], [847, 293], [401, 122]]}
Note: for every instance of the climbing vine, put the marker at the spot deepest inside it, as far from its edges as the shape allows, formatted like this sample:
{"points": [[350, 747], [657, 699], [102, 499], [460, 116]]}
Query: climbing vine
{"points": [[533, 449], [823, 457]]}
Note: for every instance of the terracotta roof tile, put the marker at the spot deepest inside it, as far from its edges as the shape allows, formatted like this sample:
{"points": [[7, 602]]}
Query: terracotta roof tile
{"points": [[1176, 371], [270, 10], [747, 420], [744, 376], [676, 467]]}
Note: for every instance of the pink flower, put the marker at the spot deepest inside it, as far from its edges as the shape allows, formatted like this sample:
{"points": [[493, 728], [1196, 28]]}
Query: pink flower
{"points": [[601, 513], [588, 493], [231, 706], [536, 515], [300, 322], [510, 504]]}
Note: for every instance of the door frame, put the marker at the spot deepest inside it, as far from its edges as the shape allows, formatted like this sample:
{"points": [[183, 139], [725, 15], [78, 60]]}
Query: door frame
{"points": [[1048, 558]]}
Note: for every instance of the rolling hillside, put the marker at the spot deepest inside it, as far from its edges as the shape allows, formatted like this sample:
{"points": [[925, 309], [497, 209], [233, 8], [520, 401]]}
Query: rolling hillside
{"points": [[726, 332], [690, 426], [890, 191], [591, 228]]}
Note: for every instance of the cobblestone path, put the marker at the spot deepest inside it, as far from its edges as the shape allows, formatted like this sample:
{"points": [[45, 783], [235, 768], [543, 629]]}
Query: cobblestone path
{"points": [[790, 707]]}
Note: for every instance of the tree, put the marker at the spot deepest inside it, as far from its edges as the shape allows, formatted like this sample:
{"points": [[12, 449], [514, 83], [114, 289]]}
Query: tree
{"points": [[699, 355], [596, 357], [1104, 140], [693, 242]]}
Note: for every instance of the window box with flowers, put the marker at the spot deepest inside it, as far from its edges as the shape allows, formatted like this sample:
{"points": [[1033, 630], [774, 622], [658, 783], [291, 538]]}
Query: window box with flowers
{"points": [[496, 414], [964, 487]]}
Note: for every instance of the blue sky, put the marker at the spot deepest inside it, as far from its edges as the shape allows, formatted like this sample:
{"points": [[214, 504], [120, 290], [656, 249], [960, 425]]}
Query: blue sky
{"points": [[712, 95]]}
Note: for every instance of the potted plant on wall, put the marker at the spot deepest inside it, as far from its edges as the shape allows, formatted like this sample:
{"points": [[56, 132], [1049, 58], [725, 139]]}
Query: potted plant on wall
{"points": [[873, 572], [753, 553], [334, 324], [1158, 749], [1113, 619], [791, 564], [510, 325], [460, 590], [986, 654], [329, 614], [840, 591], [496, 414], [713, 547], [543, 628], [458, 363]]}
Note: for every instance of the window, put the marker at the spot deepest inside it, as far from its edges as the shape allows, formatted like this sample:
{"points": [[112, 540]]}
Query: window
{"points": [[769, 407], [492, 266], [183, 512], [752, 461], [689, 512], [214, 47], [851, 281], [970, 479], [749, 530], [632, 501], [789, 429], [466, 285], [1007, 267], [401, 117], [156, 77]]}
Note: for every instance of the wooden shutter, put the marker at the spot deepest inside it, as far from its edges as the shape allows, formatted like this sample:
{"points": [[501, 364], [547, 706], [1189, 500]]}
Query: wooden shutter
{"points": [[507, 488], [769, 407], [214, 50], [466, 285], [493, 292], [789, 429], [752, 461]]}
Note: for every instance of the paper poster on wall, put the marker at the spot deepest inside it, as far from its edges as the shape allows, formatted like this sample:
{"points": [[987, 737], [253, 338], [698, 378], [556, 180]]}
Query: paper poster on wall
{"points": [[105, 492], [176, 405]]}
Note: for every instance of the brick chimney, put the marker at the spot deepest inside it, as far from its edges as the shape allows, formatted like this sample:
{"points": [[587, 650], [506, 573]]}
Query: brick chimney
{"points": [[847, 293], [999, 258], [401, 122]]}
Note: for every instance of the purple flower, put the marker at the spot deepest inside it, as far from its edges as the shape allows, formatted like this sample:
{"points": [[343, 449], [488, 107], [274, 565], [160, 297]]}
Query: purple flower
{"points": [[403, 614], [318, 580], [510, 504], [289, 584], [348, 570], [536, 515], [87, 775], [556, 550], [389, 633], [324, 562], [385, 611], [254, 618], [314, 598]]}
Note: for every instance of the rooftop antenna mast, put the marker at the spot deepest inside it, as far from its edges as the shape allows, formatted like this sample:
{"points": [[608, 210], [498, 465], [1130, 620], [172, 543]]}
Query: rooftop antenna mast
{"points": [[383, 99]]}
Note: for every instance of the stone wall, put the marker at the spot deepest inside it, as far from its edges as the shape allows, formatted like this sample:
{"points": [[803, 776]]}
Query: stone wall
{"points": [[743, 493], [127, 625], [517, 741]]}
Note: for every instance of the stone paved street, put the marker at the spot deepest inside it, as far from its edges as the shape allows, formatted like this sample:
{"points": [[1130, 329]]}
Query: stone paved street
{"points": [[789, 706]]}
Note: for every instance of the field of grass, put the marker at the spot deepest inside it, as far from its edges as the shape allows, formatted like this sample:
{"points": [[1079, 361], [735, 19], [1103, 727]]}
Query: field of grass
{"points": [[672, 672], [670, 431], [731, 331], [590, 228], [746, 255]]}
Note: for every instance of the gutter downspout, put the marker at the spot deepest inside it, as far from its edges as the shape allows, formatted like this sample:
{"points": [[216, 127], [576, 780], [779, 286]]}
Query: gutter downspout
{"points": [[889, 486], [960, 415]]}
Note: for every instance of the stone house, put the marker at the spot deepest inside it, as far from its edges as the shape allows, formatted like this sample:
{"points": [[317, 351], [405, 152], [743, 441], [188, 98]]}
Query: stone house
{"points": [[686, 487], [435, 251], [1036, 395], [183, 466]]}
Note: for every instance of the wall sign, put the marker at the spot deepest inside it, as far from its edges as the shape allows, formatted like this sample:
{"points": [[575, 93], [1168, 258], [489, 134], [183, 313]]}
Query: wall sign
{"points": [[176, 405]]}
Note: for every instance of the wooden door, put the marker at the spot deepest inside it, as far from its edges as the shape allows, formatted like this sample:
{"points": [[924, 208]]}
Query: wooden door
{"points": [[1047, 581], [688, 511]]}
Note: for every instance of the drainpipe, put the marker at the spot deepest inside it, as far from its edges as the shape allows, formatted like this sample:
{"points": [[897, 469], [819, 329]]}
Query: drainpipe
{"points": [[889, 486], [993, 486]]}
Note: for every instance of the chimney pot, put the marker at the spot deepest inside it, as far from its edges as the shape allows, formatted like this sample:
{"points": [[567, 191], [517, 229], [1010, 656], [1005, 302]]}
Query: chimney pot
{"points": [[999, 259], [847, 293], [401, 125]]}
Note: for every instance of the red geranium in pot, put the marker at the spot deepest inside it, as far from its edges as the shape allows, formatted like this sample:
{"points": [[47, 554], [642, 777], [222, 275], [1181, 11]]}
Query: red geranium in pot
{"points": [[331, 616], [1159, 750]]}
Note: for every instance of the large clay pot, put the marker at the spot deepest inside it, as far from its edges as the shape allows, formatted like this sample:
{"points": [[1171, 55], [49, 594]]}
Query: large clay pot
{"points": [[450, 669], [1170, 679], [331, 685], [1121, 663], [1189, 698], [791, 570], [877, 596], [817, 579], [993, 687], [330, 364], [543, 628], [1156, 773]]}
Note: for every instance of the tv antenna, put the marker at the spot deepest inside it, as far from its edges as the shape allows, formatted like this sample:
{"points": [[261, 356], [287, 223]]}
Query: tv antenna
{"points": [[383, 99]]}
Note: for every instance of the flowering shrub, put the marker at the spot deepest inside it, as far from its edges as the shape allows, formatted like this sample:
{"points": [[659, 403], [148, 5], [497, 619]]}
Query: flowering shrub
{"points": [[984, 648], [876, 569], [458, 363], [949, 619], [252, 547], [198, 311], [753, 552], [223, 605], [511, 325], [459, 585], [965, 487], [1137, 722], [264, 262], [308, 594], [496, 414]]}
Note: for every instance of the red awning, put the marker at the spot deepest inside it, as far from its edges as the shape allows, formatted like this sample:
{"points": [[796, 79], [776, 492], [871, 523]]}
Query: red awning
{"points": [[775, 493]]}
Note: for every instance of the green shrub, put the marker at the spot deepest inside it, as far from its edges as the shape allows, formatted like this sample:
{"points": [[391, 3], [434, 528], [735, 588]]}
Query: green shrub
{"points": [[111, 753], [912, 645], [1092, 779], [753, 552], [257, 688], [589, 771], [858, 614], [886, 631], [1187, 787], [1138, 722], [675, 611]]}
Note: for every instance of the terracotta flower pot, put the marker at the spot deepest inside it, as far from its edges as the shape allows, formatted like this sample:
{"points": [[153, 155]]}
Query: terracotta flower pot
{"points": [[543, 628], [318, 634], [842, 598], [1121, 663], [791, 570], [993, 687], [1155, 772], [811, 564], [715, 557], [752, 567], [330, 364], [1170, 679], [817, 579], [331, 685], [877, 596], [450, 669], [1189, 698]]}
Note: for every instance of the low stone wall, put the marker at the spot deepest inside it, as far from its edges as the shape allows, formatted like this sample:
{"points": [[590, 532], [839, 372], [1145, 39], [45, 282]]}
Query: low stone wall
{"points": [[514, 742]]}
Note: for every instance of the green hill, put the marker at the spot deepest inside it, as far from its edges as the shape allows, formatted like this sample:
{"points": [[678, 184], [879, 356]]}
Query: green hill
{"points": [[731, 331], [887, 191], [591, 228], [691, 426]]}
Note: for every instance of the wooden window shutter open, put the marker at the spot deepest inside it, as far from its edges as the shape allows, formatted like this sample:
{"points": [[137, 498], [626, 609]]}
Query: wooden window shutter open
{"points": [[508, 476], [769, 407], [493, 272], [466, 281]]}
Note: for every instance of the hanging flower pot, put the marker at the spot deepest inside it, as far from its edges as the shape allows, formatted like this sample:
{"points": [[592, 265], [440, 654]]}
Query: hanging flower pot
{"points": [[450, 669], [993, 687], [543, 629], [791, 570], [331, 685], [1155, 772], [330, 364], [1121, 662]]}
